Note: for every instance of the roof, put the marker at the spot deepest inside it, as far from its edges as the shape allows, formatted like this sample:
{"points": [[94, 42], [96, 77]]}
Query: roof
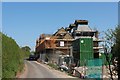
{"points": [[60, 31], [68, 36], [81, 22], [42, 36], [67, 29], [84, 28], [72, 25]]}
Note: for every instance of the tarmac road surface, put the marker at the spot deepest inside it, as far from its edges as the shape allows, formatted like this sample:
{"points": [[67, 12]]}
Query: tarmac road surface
{"points": [[34, 69]]}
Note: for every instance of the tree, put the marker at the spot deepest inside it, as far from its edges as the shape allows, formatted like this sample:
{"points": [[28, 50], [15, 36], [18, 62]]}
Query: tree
{"points": [[108, 47], [116, 48], [26, 48], [112, 45]]}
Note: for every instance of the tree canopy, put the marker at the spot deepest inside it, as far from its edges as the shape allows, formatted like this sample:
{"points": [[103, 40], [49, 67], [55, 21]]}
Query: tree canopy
{"points": [[26, 48]]}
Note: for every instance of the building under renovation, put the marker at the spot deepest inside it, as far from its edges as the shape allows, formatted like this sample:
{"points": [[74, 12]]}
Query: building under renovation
{"points": [[86, 43], [77, 40], [51, 47]]}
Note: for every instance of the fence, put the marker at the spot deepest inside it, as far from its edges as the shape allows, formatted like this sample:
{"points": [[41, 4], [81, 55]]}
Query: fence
{"points": [[94, 68]]}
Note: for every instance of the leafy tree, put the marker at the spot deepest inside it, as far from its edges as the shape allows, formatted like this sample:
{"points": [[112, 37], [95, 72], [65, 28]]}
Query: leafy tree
{"points": [[112, 49], [116, 48], [26, 48], [108, 44]]}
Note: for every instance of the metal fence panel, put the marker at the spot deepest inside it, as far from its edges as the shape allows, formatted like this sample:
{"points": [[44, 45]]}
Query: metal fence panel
{"points": [[94, 68]]}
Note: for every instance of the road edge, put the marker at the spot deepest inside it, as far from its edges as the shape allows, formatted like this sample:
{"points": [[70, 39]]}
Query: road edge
{"points": [[49, 67], [19, 74]]}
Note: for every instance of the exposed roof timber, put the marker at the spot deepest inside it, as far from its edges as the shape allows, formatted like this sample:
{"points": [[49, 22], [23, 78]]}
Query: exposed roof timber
{"points": [[82, 22], [67, 29], [59, 31], [98, 40], [63, 39], [98, 47], [58, 48], [84, 31], [72, 25]]}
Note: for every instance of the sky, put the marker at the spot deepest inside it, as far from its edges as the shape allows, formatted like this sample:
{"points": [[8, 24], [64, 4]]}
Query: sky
{"points": [[25, 21], [60, 0]]}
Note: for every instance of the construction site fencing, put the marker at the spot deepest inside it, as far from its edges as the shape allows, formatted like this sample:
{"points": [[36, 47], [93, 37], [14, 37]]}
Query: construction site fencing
{"points": [[94, 68]]}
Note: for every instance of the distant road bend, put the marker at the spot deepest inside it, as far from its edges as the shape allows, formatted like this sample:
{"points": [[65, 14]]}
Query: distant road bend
{"points": [[37, 70]]}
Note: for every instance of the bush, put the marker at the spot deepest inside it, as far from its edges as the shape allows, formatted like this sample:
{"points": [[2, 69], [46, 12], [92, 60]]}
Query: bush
{"points": [[12, 57]]}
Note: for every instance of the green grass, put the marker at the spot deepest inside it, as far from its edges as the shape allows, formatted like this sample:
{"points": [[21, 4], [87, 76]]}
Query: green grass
{"points": [[53, 66]]}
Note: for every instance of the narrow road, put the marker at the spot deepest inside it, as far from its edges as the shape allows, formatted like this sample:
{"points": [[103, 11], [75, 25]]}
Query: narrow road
{"points": [[36, 70]]}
